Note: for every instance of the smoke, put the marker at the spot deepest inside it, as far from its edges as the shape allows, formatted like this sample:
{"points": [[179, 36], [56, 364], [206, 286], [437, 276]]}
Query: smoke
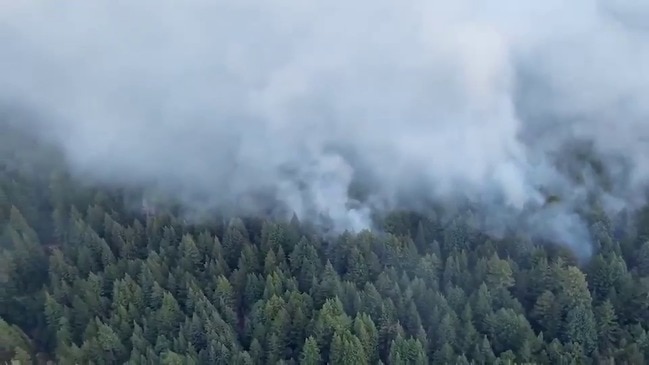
{"points": [[220, 101]]}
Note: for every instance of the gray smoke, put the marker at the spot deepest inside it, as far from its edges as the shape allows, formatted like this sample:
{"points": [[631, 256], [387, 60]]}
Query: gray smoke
{"points": [[417, 100]]}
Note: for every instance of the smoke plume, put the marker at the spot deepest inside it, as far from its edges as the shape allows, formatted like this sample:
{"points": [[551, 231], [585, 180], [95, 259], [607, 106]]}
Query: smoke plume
{"points": [[221, 102]]}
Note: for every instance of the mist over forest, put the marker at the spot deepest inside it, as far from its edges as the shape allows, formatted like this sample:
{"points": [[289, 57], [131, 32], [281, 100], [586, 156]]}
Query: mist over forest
{"points": [[287, 106]]}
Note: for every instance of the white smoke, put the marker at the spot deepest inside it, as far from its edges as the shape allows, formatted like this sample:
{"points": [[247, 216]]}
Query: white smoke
{"points": [[416, 99]]}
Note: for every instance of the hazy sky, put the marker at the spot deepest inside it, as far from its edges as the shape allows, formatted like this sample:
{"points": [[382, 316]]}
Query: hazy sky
{"points": [[217, 100]]}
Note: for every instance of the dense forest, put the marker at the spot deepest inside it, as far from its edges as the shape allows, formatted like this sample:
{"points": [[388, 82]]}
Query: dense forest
{"points": [[87, 279]]}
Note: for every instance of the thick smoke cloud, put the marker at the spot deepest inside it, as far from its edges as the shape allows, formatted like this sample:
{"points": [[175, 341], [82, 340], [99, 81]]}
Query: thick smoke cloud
{"points": [[220, 101]]}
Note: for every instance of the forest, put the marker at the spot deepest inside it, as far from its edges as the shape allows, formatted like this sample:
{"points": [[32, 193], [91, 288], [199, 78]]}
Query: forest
{"points": [[87, 279]]}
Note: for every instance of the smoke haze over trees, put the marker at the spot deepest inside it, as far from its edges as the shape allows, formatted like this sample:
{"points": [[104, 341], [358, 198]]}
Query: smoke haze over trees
{"points": [[290, 182], [245, 105]]}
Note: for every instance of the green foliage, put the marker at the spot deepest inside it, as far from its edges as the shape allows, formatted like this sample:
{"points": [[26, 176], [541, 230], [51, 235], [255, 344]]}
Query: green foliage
{"points": [[13, 342], [85, 279]]}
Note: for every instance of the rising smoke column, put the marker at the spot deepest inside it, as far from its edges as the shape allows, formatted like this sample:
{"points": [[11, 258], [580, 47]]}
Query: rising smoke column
{"points": [[220, 101]]}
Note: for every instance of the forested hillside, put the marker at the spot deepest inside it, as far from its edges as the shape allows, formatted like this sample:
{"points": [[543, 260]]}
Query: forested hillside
{"points": [[87, 279]]}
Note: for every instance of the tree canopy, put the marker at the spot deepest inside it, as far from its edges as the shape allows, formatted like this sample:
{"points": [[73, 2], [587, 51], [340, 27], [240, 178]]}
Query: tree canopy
{"points": [[87, 279]]}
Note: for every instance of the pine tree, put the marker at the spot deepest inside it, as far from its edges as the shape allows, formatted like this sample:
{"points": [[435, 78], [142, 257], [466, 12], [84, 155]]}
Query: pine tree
{"points": [[310, 353], [346, 349]]}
